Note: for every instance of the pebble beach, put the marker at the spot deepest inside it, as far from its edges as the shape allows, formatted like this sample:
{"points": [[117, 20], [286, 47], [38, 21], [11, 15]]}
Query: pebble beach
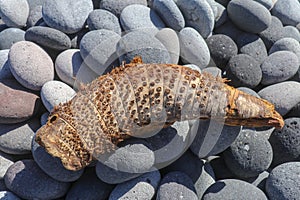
{"points": [[49, 49]]}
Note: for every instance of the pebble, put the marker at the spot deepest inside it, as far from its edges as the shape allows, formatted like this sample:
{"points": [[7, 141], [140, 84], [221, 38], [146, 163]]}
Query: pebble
{"points": [[292, 17], [6, 195], [284, 182], [279, 66], [243, 70], [233, 189], [176, 185], [249, 155], [273, 33], [28, 181], [193, 48], [198, 15], [229, 29], [14, 13], [48, 37], [98, 49], [103, 19], [169, 13], [260, 180], [249, 91], [10, 36], [291, 32], [142, 187], [286, 142], [16, 138], [65, 15], [143, 44], [4, 66], [34, 3], [266, 3], [221, 17], [5, 163], [41, 65], [243, 13], [221, 48], [35, 17], [139, 17], [56, 92], [20, 104], [117, 6], [283, 95], [286, 44], [215, 71]]}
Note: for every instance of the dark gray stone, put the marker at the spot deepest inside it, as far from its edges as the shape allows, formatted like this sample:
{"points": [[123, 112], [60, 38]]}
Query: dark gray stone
{"points": [[6, 195], [292, 17], [221, 16], [10, 36], [117, 6], [273, 33], [229, 29]]}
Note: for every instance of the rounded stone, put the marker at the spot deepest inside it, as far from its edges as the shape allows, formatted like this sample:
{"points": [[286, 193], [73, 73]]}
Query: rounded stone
{"points": [[55, 92], [6, 195], [28, 181], [233, 189], [117, 6], [65, 15], [244, 12], [292, 17], [4, 65], [221, 16], [10, 36], [249, 91], [266, 3], [33, 75], [193, 48], [279, 66], [142, 187], [286, 142], [221, 48], [215, 71], [291, 32], [170, 13], [35, 17], [48, 37], [198, 15], [14, 13], [243, 70], [5, 163], [103, 19], [286, 44]]}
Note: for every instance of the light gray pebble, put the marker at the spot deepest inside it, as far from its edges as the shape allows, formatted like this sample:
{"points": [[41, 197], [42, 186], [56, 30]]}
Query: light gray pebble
{"points": [[291, 32], [193, 48], [267, 3], [286, 44], [10, 36], [5, 163], [273, 33], [34, 3], [41, 65], [35, 17], [170, 13], [6, 195], [248, 91], [198, 15], [14, 13], [4, 66], [279, 66], [215, 71], [292, 17], [213, 6], [103, 19], [117, 6], [142, 187], [65, 15]]}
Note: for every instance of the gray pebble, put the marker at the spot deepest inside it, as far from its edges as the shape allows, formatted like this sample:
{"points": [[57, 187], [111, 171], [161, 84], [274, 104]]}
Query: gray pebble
{"points": [[193, 48], [28, 181], [4, 65], [267, 3], [283, 95], [291, 32], [292, 17], [229, 29], [14, 13], [215, 71], [35, 17], [198, 15], [249, 91], [279, 66], [170, 13], [34, 3], [221, 17], [65, 15], [6, 195], [5, 163], [142, 187], [284, 182], [288, 44], [10, 36], [117, 6], [260, 180], [48, 37]]}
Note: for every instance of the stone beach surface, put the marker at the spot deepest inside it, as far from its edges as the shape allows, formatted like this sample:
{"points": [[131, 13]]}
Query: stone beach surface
{"points": [[50, 48]]}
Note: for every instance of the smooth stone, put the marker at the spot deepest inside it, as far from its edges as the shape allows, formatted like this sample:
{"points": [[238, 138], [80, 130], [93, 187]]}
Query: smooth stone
{"points": [[213, 6], [215, 71], [103, 19], [14, 13], [279, 66], [10, 36], [55, 92], [221, 16], [143, 44], [48, 37], [193, 67], [249, 91], [193, 48], [141, 18], [4, 66], [286, 142], [198, 15], [77, 37], [34, 3], [291, 32], [170, 13], [283, 95], [233, 189], [169, 38], [176, 185], [20, 104], [266, 3], [5, 163], [28, 181], [65, 15], [229, 29], [117, 6], [35, 17], [244, 12], [221, 48], [243, 70], [40, 70], [292, 17], [98, 49], [6, 195], [273, 33], [142, 187], [16, 138], [252, 45], [249, 155], [284, 182]]}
